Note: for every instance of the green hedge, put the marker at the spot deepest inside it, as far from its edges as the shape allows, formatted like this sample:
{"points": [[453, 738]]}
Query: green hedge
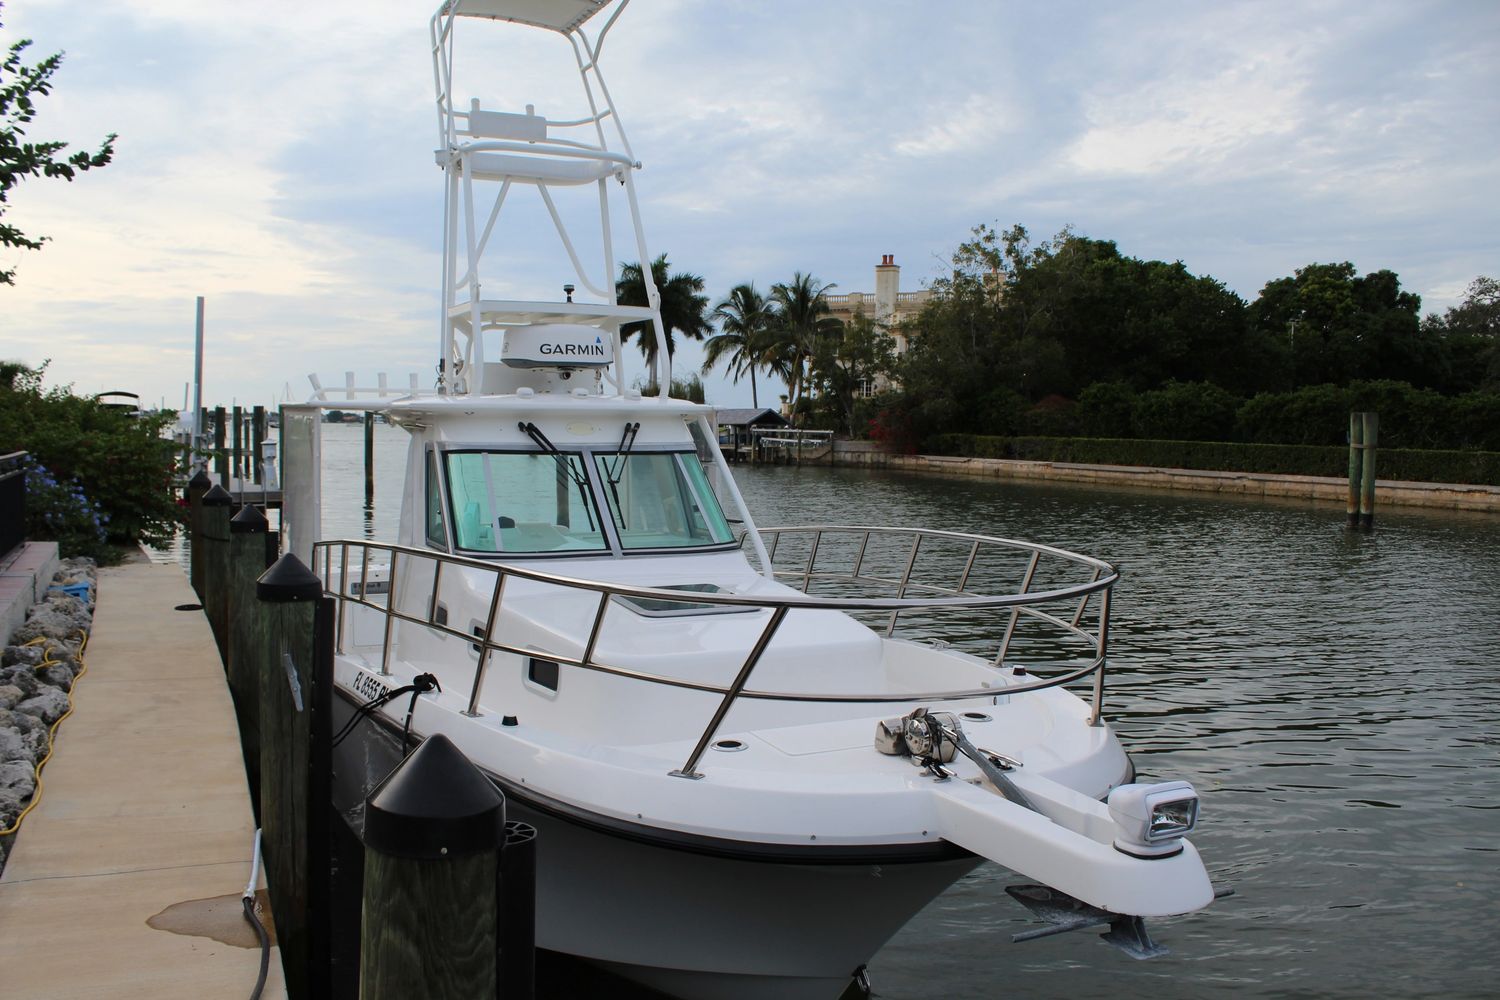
{"points": [[1408, 464]]}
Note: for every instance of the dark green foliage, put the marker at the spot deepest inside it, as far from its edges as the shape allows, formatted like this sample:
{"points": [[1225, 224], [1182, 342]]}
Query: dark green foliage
{"points": [[1194, 411], [1144, 348], [846, 359], [1470, 335], [1480, 467], [20, 86], [121, 465], [1338, 327], [1409, 417], [1105, 408]]}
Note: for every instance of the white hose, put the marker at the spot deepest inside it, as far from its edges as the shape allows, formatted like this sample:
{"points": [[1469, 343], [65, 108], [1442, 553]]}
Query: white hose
{"points": [[254, 868]]}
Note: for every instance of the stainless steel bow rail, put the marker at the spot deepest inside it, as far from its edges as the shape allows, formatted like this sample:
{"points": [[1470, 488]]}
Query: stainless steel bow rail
{"points": [[345, 565]]}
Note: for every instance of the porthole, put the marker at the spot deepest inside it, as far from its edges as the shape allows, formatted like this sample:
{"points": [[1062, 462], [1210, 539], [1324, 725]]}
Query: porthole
{"points": [[729, 746], [976, 717]]}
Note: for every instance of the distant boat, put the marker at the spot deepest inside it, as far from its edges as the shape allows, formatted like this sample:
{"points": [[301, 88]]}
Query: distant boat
{"points": [[128, 403]]}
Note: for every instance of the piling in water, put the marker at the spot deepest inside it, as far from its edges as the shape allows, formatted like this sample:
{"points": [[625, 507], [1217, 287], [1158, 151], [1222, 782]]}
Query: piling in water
{"points": [[517, 930], [257, 438], [1356, 440], [369, 456], [221, 450], [1371, 423], [236, 465]]}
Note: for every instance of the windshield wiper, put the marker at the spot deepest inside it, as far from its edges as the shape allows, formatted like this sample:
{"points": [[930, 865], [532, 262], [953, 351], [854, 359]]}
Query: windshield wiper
{"points": [[627, 443], [535, 433]]}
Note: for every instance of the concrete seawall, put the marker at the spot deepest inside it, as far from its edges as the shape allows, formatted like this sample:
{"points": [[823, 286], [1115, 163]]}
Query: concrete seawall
{"points": [[1328, 489]]}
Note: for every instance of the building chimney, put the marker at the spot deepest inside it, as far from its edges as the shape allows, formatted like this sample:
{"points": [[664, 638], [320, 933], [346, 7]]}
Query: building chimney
{"points": [[887, 287]]}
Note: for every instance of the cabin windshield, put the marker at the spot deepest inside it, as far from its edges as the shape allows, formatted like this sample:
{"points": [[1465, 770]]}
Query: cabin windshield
{"points": [[661, 500], [522, 502]]}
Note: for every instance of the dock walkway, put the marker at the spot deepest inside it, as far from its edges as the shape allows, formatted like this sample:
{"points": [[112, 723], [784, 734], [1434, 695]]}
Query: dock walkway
{"points": [[125, 880]]}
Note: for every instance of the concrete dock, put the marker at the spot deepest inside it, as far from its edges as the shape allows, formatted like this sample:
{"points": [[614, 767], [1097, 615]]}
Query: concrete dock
{"points": [[125, 880]]}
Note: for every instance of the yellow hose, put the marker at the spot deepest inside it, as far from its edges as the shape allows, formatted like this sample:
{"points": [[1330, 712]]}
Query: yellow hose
{"points": [[36, 795]]}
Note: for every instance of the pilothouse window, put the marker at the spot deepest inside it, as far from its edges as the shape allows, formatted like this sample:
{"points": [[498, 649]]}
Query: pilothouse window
{"points": [[661, 500], [521, 502]]}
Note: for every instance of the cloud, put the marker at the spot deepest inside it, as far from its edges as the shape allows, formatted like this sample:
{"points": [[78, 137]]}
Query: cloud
{"points": [[280, 163]]}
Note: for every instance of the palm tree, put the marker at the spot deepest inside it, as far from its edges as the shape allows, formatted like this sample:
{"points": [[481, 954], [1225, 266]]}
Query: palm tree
{"points": [[684, 308], [745, 319], [804, 321]]}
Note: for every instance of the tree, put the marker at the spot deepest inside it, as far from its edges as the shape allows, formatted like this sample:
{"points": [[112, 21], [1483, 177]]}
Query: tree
{"points": [[1470, 336], [1338, 327], [842, 366], [745, 320], [20, 86], [802, 305], [683, 308]]}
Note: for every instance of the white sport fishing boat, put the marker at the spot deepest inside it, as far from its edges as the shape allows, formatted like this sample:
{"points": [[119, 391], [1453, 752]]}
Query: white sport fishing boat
{"points": [[751, 754]]}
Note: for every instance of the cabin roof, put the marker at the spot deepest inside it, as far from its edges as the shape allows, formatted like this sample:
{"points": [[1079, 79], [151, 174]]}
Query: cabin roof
{"points": [[758, 417]]}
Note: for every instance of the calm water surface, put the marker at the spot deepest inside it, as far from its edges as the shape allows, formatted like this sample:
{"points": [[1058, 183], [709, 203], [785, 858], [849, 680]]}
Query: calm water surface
{"points": [[1332, 696]]}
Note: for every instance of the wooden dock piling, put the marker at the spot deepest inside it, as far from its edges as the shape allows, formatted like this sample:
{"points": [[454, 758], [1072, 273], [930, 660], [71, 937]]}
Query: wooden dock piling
{"points": [[221, 450], [293, 658], [197, 486], [214, 539], [433, 836], [248, 559], [237, 453], [257, 438]]}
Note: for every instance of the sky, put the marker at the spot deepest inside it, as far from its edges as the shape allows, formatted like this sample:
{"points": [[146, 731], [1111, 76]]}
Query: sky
{"points": [[276, 158]]}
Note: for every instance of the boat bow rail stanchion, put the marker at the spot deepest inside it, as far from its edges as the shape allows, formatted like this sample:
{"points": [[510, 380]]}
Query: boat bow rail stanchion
{"points": [[333, 560]]}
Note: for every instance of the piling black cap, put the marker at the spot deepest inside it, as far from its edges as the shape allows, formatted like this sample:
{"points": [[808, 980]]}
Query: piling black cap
{"points": [[436, 804], [200, 479], [249, 521], [288, 580], [218, 496]]}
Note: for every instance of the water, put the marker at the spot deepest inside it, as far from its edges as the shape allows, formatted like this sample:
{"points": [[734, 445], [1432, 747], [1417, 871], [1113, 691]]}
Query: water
{"points": [[1331, 695]]}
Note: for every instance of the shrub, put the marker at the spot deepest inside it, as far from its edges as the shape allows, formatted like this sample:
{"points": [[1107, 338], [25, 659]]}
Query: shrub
{"points": [[62, 512], [1104, 409], [1053, 416], [121, 464], [1190, 411]]}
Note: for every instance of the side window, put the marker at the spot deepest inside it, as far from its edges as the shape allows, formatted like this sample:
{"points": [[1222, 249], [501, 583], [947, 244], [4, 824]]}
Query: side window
{"points": [[437, 533]]}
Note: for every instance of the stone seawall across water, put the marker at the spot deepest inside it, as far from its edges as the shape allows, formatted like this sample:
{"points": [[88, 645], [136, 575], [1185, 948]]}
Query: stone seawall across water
{"points": [[1328, 489]]}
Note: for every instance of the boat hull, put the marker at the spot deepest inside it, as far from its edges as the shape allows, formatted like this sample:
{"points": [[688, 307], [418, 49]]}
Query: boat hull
{"points": [[695, 918]]}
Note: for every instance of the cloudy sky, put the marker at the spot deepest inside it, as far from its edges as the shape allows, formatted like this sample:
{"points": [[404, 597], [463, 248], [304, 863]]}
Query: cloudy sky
{"points": [[277, 159]]}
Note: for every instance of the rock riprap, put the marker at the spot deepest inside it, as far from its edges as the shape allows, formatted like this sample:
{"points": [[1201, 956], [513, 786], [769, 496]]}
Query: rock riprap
{"points": [[40, 661]]}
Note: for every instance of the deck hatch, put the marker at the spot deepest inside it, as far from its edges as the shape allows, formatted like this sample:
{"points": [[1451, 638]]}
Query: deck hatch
{"points": [[652, 607]]}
